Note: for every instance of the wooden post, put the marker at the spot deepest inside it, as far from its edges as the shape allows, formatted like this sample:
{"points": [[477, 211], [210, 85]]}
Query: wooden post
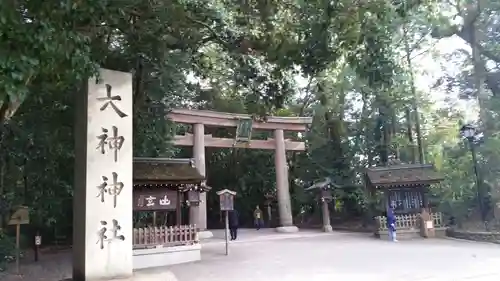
{"points": [[20, 216], [227, 233], [38, 242], [37, 248], [18, 234], [178, 211], [269, 215], [425, 198]]}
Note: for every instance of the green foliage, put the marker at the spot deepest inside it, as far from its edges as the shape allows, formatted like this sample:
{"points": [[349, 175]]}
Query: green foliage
{"points": [[7, 249], [211, 54]]}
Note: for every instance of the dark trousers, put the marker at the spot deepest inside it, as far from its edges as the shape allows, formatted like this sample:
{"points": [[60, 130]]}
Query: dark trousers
{"points": [[258, 223], [234, 232]]}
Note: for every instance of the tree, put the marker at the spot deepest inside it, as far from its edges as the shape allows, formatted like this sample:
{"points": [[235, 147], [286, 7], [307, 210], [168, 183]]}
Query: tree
{"points": [[221, 55]]}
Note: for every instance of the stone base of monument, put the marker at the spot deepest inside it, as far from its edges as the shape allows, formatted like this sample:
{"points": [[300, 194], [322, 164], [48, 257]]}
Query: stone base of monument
{"points": [[205, 234], [287, 229], [157, 257], [153, 276], [157, 274], [327, 228]]}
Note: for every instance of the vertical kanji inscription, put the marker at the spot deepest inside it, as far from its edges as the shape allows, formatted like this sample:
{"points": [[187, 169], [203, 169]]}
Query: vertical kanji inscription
{"points": [[115, 141], [114, 189], [109, 101], [115, 233]]}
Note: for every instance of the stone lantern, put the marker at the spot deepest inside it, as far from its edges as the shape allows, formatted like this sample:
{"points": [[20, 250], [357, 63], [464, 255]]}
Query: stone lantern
{"points": [[270, 198], [324, 191]]}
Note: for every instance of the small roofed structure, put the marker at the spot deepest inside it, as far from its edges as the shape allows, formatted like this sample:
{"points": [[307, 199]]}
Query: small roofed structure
{"points": [[175, 174], [164, 187], [404, 188]]}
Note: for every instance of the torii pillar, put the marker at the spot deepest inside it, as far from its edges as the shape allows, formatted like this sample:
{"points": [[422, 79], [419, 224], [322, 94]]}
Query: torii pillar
{"points": [[282, 186], [198, 140], [198, 214]]}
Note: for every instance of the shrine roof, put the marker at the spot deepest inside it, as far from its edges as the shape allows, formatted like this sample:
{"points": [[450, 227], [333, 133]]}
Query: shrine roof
{"points": [[403, 175], [166, 170]]}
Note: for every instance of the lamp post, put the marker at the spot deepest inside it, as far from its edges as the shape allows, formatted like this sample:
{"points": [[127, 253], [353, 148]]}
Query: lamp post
{"points": [[469, 132]]}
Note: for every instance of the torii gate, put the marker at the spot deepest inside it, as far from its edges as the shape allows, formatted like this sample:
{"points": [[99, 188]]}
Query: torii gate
{"points": [[244, 124]]}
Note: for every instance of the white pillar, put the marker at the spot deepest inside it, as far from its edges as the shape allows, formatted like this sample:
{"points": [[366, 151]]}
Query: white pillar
{"points": [[282, 187], [103, 179], [200, 212]]}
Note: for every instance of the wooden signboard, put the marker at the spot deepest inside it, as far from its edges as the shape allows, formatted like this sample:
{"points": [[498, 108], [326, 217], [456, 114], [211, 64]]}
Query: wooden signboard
{"points": [[20, 216], [226, 198], [244, 130], [155, 199]]}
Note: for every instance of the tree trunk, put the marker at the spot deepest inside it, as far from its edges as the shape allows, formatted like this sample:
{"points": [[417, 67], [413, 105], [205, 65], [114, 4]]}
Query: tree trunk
{"points": [[482, 96], [414, 96], [409, 130]]}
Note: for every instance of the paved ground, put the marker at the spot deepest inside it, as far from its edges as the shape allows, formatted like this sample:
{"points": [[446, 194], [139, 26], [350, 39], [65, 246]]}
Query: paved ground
{"points": [[268, 256], [343, 256]]}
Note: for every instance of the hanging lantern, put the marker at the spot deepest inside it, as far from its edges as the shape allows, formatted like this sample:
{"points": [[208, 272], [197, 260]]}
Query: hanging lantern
{"points": [[193, 198]]}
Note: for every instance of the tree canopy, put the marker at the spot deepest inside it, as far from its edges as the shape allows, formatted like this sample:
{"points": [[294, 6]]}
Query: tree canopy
{"points": [[354, 66]]}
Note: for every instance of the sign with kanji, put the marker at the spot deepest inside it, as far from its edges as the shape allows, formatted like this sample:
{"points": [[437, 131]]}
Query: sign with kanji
{"points": [[155, 200], [226, 198], [244, 129]]}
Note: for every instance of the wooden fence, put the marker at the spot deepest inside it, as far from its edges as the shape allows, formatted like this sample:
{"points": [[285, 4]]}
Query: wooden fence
{"points": [[410, 221], [151, 237]]}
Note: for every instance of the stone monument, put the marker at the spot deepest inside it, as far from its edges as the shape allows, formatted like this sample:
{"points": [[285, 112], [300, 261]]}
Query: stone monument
{"points": [[102, 222], [103, 179]]}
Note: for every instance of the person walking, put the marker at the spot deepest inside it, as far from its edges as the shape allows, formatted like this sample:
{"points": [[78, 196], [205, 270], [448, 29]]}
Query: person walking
{"points": [[233, 224], [391, 224], [258, 220]]}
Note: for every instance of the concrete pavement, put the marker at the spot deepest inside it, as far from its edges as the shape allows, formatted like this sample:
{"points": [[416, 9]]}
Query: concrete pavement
{"points": [[308, 255], [342, 256]]}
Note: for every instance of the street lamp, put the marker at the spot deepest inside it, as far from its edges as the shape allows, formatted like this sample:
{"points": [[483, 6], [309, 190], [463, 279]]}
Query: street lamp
{"points": [[469, 132]]}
